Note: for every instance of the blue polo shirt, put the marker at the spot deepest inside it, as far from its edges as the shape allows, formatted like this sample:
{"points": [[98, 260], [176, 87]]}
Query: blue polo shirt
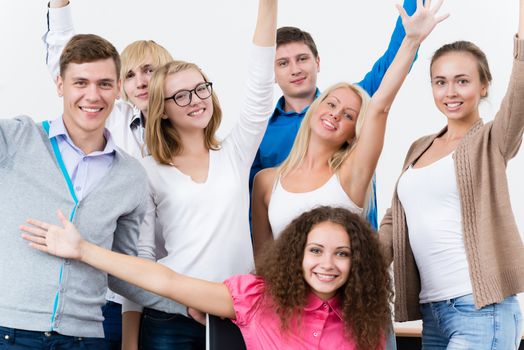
{"points": [[283, 126]]}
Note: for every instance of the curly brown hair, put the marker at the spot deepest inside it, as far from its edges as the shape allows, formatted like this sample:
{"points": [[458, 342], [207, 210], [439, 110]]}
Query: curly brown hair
{"points": [[365, 297]]}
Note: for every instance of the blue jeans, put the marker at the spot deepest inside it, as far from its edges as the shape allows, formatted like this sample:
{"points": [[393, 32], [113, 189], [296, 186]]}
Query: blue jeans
{"points": [[456, 324], [18, 339], [112, 325], [162, 331]]}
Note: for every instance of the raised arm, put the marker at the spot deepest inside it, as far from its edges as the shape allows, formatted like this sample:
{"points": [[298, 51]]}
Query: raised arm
{"points": [[258, 96], [508, 124], [357, 170], [59, 31], [373, 78], [266, 27], [66, 242], [521, 20]]}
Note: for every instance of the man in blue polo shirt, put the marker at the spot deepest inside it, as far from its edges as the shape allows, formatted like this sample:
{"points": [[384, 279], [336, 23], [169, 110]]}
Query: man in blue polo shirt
{"points": [[296, 66]]}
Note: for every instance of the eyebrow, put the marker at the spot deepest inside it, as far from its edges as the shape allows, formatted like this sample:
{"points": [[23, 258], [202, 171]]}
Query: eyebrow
{"points": [[336, 98], [295, 56], [455, 77], [105, 80], [177, 91], [320, 245]]}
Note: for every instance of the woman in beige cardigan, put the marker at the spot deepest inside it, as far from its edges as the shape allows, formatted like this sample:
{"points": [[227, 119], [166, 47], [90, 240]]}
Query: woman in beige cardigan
{"points": [[458, 256]]}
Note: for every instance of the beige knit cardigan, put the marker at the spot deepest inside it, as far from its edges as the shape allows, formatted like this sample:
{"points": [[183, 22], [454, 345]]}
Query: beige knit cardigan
{"points": [[494, 248]]}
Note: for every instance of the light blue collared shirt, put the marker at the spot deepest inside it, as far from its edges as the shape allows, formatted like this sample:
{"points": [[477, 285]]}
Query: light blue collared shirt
{"points": [[85, 170]]}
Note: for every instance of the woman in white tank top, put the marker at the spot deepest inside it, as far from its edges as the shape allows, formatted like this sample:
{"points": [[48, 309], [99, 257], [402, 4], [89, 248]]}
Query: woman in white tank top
{"points": [[336, 150]]}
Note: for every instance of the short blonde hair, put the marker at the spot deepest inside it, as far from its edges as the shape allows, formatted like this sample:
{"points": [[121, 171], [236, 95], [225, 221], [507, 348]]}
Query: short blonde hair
{"points": [[137, 52], [301, 144], [162, 138]]}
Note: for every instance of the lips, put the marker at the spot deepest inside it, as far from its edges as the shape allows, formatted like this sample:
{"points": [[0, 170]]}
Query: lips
{"points": [[91, 109], [453, 105], [298, 81], [328, 124], [143, 95], [325, 277], [196, 112]]}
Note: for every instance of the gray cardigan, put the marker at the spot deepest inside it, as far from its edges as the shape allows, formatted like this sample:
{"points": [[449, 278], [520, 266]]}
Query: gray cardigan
{"points": [[40, 292]]}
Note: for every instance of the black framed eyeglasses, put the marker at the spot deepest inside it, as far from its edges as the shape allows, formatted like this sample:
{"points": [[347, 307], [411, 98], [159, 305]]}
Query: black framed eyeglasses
{"points": [[183, 97]]}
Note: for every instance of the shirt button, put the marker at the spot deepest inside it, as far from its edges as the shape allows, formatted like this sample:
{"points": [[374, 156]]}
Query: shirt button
{"points": [[316, 334], [325, 306], [47, 334], [6, 337]]}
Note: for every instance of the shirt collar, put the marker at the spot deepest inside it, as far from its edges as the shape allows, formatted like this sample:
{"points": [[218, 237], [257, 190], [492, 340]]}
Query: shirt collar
{"points": [[281, 104], [58, 129], [315, 303], [138, 119]]}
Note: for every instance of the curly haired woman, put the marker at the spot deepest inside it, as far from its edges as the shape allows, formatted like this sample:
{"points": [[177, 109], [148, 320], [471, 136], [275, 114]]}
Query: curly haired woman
{"points": [[333, 294]]}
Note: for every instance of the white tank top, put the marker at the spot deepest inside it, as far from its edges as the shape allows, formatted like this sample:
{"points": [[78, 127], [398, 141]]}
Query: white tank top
{"points": [[285, 206], [431, 201]]}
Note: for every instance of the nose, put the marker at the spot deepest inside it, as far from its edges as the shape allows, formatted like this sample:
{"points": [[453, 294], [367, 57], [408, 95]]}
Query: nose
{"points": [[141, 81], [326, 262], [451, 91], [92, 93], [295, 68]]}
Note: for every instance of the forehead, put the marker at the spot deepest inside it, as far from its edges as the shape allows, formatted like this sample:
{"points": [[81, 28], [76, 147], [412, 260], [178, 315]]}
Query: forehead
{"points": [[292, 49], [345, 96], [136, 63], [97, 70], [455, 63], [183, 80], [328, 234]]}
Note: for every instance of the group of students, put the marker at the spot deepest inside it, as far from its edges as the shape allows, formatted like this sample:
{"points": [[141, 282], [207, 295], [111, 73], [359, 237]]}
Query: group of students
{"points": [[315, 275]]}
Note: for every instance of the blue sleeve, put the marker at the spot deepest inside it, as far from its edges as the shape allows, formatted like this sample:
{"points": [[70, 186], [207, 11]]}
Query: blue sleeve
{"points": [[372, 79], [372, 214]]}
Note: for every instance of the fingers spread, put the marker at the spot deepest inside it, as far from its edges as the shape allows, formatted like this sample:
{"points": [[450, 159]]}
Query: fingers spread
{"points": [[34, 230]]}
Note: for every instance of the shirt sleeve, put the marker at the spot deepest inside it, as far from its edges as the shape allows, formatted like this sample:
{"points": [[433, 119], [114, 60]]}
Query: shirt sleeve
{"points": [[508, 125], [257, 108], [246, 292], [59, 31], [373, 78]]}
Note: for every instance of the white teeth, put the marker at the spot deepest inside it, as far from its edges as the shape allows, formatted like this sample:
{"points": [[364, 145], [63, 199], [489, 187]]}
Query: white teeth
{"points": [[328, 124], [453, 105], [91, 110], [325, 278], [192, 114]]}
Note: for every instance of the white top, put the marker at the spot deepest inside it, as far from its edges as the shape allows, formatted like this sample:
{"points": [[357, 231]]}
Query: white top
{"points": [[285, 206], [205, 226], [431, 201]]}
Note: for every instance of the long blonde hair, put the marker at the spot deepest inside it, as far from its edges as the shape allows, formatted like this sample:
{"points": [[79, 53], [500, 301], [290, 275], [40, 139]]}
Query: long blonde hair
{"points": [[301, 144], [135, 55], [162, 138]]}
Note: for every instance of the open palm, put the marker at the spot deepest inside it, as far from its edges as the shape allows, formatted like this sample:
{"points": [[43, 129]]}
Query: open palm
{"points": [[421, 23]]}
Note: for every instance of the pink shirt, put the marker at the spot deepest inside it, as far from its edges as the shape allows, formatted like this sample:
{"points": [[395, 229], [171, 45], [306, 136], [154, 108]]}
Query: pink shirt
{"points": [[322, 326]]}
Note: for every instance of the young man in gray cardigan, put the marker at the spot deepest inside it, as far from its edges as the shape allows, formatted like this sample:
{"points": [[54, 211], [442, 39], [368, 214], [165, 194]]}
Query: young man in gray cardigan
{"points": [[71, 164]]}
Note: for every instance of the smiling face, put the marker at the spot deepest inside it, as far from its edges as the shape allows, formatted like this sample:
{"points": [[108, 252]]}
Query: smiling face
{"points": [[89, 91], [457, 88], [296, 70], [326, 262], [136, 82], [197, 114], [335, 118]]}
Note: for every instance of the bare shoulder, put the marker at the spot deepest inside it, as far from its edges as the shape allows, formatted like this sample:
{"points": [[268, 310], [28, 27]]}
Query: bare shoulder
{"points": [[263, 182]]}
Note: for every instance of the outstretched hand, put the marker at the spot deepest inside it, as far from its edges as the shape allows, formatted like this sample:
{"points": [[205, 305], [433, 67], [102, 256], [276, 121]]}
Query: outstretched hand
{"points": [[423, 21], [63, 241]]}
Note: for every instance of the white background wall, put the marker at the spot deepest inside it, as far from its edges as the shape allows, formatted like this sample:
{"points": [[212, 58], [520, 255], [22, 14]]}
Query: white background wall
{"points": [[215, 34]]}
